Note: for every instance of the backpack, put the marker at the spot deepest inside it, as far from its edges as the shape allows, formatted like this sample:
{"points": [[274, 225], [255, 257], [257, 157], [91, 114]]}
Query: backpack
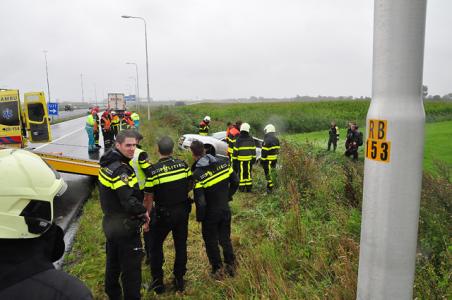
{"points": [[360, 139]]}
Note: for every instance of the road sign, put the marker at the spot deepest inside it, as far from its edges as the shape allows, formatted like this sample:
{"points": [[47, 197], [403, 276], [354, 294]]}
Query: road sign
{"points": [[53, 109], [130, 98]]}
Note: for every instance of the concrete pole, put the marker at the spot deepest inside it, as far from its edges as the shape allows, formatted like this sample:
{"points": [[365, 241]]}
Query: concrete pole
{"points": [[395, 146], [81, 83], [138, 86], [47, 75]]}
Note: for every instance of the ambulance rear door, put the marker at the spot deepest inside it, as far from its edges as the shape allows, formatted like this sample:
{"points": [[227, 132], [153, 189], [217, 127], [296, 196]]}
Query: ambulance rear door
{"points": [[10, 119], [37, 117]]}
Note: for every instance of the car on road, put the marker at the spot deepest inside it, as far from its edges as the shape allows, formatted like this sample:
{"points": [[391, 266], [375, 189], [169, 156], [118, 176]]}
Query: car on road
{"points": [[214, 144]]}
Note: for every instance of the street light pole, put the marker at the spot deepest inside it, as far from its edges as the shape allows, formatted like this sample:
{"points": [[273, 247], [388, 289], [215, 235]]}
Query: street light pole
{"points": [[138, 87], [47, 75], [147, 62], [81, 83]]}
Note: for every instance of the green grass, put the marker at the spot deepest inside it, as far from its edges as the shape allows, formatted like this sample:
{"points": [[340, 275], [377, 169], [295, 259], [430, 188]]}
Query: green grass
{"points": [[302, 242], [437, 151]]}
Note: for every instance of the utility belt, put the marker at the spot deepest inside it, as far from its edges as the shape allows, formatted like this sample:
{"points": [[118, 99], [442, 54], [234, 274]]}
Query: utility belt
{"points": [[166, 211]]}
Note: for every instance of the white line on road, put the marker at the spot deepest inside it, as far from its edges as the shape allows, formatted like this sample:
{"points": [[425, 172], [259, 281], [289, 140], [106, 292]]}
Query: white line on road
{"points": [[60, 138]]}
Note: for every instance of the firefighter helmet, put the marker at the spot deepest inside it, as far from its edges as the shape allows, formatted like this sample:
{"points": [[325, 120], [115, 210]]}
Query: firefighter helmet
{"points": [[26, 201], [245, 127], [269, 128], [207, 119]]}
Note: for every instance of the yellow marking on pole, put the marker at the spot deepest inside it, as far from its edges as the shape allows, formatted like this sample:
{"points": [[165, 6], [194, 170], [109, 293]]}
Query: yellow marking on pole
{"points": [[377, 147]]}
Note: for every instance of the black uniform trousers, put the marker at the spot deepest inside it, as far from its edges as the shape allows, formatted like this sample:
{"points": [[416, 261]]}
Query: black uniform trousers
{"points": [[352, 151], [268, 166], [175, 220], [123, 262], [216, 229], [245, 177], [109, 138], [332, 141]]}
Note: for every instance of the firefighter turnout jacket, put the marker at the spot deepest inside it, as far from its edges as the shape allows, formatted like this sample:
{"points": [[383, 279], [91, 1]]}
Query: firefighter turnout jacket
{"points": [[215, 184], [231, 139], [244, 157], [270, 147], [120, 197], [203, 128]]}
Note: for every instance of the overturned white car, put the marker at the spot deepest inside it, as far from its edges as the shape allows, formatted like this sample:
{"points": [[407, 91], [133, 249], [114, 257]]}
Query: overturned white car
{"points": [[214, 144]]}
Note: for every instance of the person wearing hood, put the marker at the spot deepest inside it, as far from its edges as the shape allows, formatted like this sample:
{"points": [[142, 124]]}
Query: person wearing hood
{"points": [[169, 184], [124, 214], [269, 155], [30, 241], [215, 184], [244, 157]]}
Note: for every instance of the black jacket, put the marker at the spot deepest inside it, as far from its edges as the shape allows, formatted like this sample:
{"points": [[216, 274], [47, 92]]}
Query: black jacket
{"points": [[215, 184], [244, 148], [27, 272], [270, 147], [120, 196]]}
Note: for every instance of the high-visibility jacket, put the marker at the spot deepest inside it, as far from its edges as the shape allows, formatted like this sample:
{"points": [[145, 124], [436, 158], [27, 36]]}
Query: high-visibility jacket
{"points": [[105, 122], [169, 182], [231, 138], [120, 197], [115, 122], [128, 123], [270, 147], [136, 119], [203, 128], [141, 165], [244, 148], [90, 120], [215, 184]]}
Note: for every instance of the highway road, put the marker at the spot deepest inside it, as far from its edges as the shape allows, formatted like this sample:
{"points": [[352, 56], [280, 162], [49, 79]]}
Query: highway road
{"points": [[67, 114]]}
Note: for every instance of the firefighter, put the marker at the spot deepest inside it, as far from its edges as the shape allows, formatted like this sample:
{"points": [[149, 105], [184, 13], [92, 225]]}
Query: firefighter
{"points": [[244, 157], [269, 155], [115, 123], [353, 141], [107, 130], [231, 136], [215, 184], [333, 136], [89, 127], [141, 164], [127, 121], [124, 214], [136, 120], [30, 241], [204, 126], [169, 187]]}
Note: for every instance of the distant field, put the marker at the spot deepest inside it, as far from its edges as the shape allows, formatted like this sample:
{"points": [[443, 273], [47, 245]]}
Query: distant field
{"points": [[288, 117], [438, 142]]}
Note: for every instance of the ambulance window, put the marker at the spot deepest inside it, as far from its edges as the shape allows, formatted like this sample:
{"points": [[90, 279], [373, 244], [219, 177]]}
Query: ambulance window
{"points": [[36, 112]]}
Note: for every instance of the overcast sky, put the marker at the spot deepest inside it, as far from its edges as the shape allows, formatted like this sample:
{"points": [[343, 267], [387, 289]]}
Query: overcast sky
{"points": [[204, 48]]}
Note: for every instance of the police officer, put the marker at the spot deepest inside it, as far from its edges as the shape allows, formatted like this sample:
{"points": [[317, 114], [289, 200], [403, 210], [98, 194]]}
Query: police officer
{"points": [[333, 136], [353, 141], [269, 154], [29, 239], [204, 126], [124, 214], [169, 187], [215, 184], [244, 157]]}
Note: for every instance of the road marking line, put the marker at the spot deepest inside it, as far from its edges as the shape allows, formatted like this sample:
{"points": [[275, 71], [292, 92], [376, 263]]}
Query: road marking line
{"points": [[60, 138]]}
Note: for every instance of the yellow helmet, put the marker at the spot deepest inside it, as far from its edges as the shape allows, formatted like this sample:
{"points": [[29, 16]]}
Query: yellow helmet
{"points": [[28, 187]]}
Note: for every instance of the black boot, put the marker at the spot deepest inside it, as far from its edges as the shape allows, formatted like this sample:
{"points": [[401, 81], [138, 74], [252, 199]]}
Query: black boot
{"points": [[230, 270], [157, 285], [179, 284]]}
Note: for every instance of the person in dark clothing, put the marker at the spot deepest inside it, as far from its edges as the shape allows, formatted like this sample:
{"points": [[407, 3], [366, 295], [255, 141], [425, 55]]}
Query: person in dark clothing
{"points": [[215, 184], [244, 157], [107, 129], [333, 136], [269, 154], [96, 127], [231, 136], [124, 214], [169, 185], [353, 141], [29, 239]]}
